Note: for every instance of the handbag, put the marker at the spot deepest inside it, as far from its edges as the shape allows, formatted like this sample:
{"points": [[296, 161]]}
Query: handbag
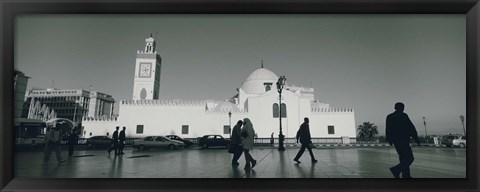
{"points": [[311, 145], [231, 148]]}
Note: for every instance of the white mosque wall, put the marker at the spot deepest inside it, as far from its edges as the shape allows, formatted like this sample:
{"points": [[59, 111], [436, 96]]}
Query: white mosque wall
{"points": [[165, 118], [343, 121], [98, 127], [168, 117]]}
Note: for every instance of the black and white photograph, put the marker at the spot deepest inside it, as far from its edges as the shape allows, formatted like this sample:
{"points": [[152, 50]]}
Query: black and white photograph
{"points": [[240, 96]]}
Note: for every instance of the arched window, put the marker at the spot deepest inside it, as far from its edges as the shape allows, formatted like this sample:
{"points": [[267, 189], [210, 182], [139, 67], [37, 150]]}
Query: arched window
{"points": [[284, 110], [275, 110], [268, 86]]}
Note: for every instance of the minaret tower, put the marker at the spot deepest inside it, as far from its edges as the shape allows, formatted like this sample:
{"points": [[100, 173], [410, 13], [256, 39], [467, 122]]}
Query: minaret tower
{"points": [[146, 83]]}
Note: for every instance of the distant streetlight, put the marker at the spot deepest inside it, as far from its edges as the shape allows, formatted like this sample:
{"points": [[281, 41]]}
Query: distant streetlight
{"points": [[425, 124], [280, 85], [230, 121], [462, 118], [75, 110]]}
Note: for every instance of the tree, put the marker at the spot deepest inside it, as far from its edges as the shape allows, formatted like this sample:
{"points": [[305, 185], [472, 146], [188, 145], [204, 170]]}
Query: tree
{"points": [[367, 131]]}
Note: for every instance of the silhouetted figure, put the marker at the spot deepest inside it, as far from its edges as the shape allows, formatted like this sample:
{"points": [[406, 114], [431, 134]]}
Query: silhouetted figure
{"points": [[121, 141], [114, 144], [247, 134], [52, 143], [72, 140], [271, 139], [236, 140], [398, 130], [305, 139]]}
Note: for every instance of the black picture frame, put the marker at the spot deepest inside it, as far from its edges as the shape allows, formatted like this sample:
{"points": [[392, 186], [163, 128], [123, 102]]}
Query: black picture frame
{"points": [[11, 8]]}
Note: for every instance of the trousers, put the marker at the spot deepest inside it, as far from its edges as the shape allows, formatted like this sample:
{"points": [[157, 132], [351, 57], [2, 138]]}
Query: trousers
{"points": [[405, 156]]}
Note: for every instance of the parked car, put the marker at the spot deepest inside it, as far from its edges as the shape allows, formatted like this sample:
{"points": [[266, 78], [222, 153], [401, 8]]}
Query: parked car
{"points": [[98, 141], [213, 140], [157, 142], [460, 142], [177, 138], [448, 140]]}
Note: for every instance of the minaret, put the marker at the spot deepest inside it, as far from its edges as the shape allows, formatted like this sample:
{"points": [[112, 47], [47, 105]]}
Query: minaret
{"points": [[146, 83]]}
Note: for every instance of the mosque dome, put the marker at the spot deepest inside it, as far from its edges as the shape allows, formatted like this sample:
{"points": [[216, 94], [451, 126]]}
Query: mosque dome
{"points": [[258, 80], [226, 106]]}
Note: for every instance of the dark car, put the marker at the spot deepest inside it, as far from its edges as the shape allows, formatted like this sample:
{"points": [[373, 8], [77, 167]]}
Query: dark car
{"points": [[177, 138], [98, 142], [213, 140]]}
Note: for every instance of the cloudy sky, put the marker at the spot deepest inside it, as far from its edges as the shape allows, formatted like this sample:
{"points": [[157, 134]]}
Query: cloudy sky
{"points": [[366, 62]]}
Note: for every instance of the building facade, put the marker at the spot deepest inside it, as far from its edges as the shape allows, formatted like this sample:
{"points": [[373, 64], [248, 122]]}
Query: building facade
{"points": [[20, 82], [73, 104], [257, 99]]}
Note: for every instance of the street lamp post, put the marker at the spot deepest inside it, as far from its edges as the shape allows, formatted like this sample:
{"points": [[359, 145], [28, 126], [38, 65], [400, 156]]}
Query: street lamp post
{"points": [[230, 121], [280, 85], [75, 111], [462, 118], [425, 124]]}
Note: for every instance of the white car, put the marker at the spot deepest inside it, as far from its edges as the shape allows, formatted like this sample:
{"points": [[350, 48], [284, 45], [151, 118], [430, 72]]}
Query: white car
{"points": [[157, 142], [460, 142]]}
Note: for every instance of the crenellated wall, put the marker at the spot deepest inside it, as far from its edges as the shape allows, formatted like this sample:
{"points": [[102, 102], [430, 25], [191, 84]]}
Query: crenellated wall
{"points": [[163, 117], [164, 102], [325, 109]]}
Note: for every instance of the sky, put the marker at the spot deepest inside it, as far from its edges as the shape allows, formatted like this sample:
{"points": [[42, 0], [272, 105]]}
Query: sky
{"points": [[365, 62]]}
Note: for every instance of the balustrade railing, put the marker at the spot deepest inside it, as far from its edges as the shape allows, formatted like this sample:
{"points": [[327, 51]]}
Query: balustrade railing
{"points": [[260, 141]]}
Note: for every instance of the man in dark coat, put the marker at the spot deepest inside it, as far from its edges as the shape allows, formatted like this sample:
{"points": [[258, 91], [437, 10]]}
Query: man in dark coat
{"points": [[72, 140], [235, 141], [114, 144], [121, 141], [305, 139], [398, 130]]}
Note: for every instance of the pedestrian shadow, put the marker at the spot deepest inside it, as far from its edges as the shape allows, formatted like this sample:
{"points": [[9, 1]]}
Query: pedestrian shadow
{"points": [[83, 155], [139, 156], [305, 172], [236, 172], [49, 171], [250, 173], [116, 168]]}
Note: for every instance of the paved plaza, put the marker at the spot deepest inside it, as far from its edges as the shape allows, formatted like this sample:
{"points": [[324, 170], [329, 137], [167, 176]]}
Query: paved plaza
{"points": [[333, 162]]}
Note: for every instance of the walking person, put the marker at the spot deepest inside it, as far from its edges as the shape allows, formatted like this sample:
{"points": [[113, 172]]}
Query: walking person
{"points": [[305, 139], [72, 140], [52, 143], [398, 131], [247, 134], [236, 140], [271, 139], [114, 144], [121, 141]]}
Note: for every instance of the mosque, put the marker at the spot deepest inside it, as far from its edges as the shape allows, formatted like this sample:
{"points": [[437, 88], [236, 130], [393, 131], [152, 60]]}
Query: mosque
{"points": [[256, 99]]}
